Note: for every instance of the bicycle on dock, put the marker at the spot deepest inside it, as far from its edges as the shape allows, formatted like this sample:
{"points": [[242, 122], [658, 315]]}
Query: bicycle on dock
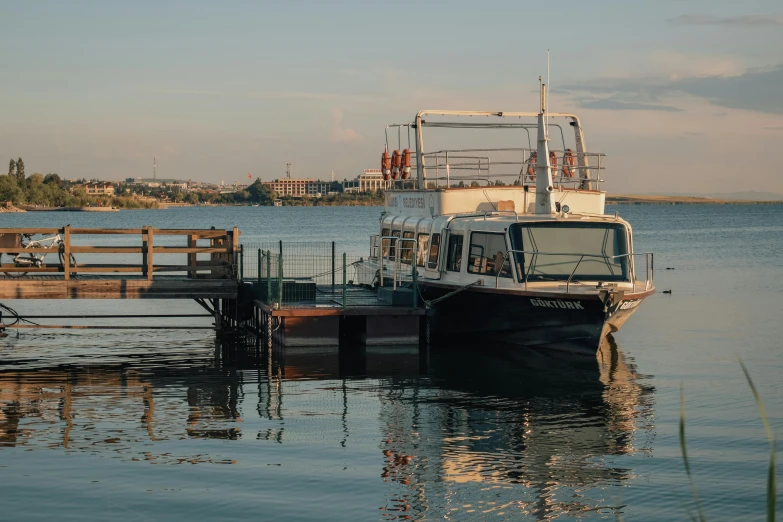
{"points": [[36, 260]]}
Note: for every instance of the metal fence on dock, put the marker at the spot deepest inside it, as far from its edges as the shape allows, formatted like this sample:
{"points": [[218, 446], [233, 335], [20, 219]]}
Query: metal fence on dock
{"points": [[310, 274]]}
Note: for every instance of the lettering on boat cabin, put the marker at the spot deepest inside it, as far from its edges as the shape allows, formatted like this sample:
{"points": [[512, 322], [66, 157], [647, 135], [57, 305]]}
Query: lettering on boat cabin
{"points": [[557, 303], [415, 204]]}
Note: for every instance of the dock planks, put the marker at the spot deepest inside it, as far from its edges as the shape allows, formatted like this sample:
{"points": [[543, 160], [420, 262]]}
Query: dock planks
{"points": [[116, 287]]}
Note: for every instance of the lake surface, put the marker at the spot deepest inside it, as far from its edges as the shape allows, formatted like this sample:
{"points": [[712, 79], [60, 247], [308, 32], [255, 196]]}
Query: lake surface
{"points": [[155, 425]]}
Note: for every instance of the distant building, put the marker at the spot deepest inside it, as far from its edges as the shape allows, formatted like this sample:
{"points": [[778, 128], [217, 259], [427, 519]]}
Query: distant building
{"points": [[294, 187], [371, 180], [96, 188]]}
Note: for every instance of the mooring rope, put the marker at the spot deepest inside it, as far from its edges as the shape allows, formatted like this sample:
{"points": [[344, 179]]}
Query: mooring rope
{"points": [[428, 304]]}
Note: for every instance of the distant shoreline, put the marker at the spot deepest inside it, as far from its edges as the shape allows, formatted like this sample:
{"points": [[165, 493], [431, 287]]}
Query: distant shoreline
{"points": [[620, 199], [624, 199]]}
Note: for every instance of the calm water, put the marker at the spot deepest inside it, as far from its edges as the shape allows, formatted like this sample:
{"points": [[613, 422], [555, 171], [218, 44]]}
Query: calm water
{"points": [[153, 426]]}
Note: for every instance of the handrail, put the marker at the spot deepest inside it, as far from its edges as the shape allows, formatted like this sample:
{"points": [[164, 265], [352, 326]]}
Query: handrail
{"points": [[484, 168], [649, 264], [397, 263], [223, 251]]}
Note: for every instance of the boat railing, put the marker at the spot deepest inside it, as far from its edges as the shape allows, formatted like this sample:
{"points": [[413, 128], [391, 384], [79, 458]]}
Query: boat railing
{"points": [[649, 268], [455, 165], [400, 274], [374, 246]]}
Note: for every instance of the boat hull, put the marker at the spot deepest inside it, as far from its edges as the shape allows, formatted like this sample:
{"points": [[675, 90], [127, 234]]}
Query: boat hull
{"points": [[574, 323]]}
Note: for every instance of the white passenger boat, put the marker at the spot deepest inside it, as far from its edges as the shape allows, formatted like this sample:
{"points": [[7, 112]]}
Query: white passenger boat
{"points": [[507, 242]]}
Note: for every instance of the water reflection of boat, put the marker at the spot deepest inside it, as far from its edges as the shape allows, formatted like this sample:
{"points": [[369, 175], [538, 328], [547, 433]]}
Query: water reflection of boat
{"points": [[545, 422]]}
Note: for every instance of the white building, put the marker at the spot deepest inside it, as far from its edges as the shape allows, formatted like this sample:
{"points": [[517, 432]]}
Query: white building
{"points": [[371, 180]]}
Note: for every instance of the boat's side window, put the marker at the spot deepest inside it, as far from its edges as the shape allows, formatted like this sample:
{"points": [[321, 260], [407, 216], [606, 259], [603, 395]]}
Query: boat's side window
{"points": [[432, 263], [393, 244], [488, 255], [406, 247], [385, 242], [454, 261], [421, 249]]}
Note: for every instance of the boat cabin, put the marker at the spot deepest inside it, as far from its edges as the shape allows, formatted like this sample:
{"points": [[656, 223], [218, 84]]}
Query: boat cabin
{"points": [[459, 223]]}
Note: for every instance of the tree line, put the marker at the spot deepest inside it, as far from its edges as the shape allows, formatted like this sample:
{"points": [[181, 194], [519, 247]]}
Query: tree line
{"points": [[51, 191]]}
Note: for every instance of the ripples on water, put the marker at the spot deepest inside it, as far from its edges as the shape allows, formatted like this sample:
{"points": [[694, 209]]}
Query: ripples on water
{"points": [[154, 426], [363, 435]]}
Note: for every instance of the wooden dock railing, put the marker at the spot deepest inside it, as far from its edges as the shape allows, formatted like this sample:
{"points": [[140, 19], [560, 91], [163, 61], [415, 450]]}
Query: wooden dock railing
{"points": [[223, 250]]}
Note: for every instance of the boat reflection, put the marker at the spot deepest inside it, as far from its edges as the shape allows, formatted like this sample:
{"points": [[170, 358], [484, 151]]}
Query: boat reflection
{"points": [[545, 430], [547, 422]]}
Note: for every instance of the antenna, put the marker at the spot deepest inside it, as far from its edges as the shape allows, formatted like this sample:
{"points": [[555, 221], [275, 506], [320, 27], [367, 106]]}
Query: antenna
{"points": [[154, 169], [546, 99], [548, 81]]}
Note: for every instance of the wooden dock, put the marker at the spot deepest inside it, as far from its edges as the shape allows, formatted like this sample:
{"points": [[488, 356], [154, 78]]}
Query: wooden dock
{"points": [[105, 270], [204, 265]]}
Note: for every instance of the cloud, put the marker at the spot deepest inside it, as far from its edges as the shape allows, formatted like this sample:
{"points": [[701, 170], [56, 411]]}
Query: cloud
{"points": [[736, 21], [753, 90], [340, 133], [609, 104]]}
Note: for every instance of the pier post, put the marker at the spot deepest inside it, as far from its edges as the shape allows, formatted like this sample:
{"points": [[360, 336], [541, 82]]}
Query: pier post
{"points": [[280, 276], [332, 266], [67, 252], [147, 257], [258, 267], [345, 275], [241, 262], [192, 257], [269, 276], [415, 278]]}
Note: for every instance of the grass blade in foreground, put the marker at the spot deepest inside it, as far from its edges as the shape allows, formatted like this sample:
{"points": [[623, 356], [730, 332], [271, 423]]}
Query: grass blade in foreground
{"points": [[684, 449], [771, 485]]}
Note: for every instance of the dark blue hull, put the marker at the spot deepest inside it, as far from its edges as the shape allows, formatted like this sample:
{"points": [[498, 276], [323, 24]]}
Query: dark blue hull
{"points": [[572, 323]]}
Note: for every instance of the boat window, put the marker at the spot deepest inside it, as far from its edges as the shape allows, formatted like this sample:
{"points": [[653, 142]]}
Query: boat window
{"points": [[454, 261], [385, 242], [432, 263], [406, 247], [557, 251], [393, 244], [421, 249], [488, 255]]}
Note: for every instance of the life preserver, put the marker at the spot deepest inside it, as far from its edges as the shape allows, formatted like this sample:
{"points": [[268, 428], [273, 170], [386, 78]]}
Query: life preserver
{"points": [[386, 166], [406, 163], [553, 160], [396, 164], [531, 165], [569, 162]]}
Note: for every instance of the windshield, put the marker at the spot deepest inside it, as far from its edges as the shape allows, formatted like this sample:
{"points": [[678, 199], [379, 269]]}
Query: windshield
{"points": [[553, 251]]}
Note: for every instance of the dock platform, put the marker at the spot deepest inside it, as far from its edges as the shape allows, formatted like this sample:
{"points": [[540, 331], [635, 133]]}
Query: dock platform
{"points": [[299, 296], [306, 295], [94, 286]]}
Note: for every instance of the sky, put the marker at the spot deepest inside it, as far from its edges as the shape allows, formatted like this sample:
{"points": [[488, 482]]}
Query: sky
{"points": [[682, 95]]}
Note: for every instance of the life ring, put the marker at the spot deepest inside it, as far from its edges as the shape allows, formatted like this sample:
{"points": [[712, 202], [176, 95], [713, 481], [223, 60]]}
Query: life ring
{"points": [[531, 166], [386, 166], [396, 162], [406, 163], [553, 160], [569, 162]]}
